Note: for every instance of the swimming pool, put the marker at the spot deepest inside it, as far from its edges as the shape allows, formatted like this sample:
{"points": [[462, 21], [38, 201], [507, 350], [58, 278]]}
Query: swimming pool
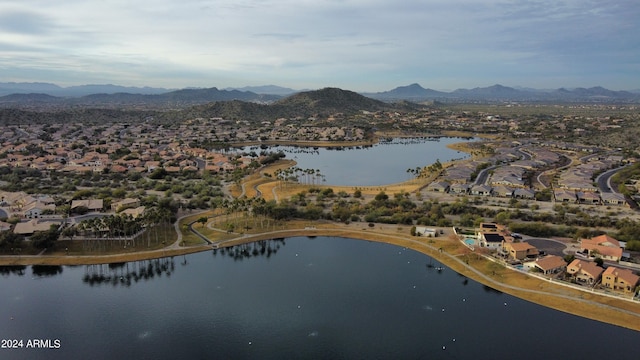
{"points": [[470, 241]]}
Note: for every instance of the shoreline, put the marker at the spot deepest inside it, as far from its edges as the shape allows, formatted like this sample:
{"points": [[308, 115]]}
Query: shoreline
{"points": [[615, 311]]}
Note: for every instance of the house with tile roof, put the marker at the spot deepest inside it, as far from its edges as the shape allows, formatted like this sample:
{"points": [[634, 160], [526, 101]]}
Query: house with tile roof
{"points": [[438, 186], [603, 246], [585, 271], [123, 204], [34, 209], [90, 204], [613, 199], [481, 190], [519, 250], [29, 227], [524, 194], [619, 279], [551, 264]]}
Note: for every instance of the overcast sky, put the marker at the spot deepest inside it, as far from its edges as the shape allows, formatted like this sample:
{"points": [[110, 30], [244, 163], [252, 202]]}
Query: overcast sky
{"points": [[360, 45]]}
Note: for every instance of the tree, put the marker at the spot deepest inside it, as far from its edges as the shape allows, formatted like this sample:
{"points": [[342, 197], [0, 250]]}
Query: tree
{"points": [[569, 258], [45, 239], [599, 261], [381, 196], [202, 220], [357, 194]]}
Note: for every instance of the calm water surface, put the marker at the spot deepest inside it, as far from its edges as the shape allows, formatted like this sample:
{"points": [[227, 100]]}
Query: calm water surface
{"points": [[305, 298], [380, 164]]}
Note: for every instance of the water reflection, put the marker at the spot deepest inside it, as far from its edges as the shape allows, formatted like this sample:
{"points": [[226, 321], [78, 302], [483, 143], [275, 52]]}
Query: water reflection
{"points": [[46, 270], [491, 290], [240, 252], [19, 270], [126, 274]]}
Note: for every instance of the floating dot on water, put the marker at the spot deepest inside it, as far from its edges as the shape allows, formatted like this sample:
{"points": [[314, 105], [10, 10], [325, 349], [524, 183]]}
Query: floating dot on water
{"points": [[442, 309], [505, 304], [249, 342], [454, 339], [444, 347]]}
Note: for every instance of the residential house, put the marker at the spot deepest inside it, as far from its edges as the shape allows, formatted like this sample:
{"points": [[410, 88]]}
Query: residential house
{"points": [[613, 199], [551, 264], [481, 190], [29, 227], [520, 250], [590, 198], [91, 204], [603, 246], [585, 271], [565, 196], [620, 279], [502, 191], [438, 186], [125, 204], [459, 188], [491, 240], [134, 212], [34, 209], [524, 194]]}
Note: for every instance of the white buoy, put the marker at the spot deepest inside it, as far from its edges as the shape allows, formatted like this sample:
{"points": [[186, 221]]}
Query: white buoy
{"points": [[505, 304], [443, 347]]}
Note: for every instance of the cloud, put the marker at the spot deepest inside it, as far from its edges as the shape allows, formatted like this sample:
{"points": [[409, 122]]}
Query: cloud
{"points": [[322, 42]]}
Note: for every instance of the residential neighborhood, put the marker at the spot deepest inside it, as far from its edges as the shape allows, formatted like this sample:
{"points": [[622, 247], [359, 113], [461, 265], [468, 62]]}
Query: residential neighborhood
{"points": [[598, 263]]}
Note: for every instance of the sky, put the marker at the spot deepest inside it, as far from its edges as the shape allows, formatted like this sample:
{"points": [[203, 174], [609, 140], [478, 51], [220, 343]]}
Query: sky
{"points": [[360, 45]]}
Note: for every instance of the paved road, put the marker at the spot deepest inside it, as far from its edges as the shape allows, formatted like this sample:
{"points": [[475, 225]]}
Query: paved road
{"points": [[483, 175], [604, 180], [176, 225], [525, 156]]}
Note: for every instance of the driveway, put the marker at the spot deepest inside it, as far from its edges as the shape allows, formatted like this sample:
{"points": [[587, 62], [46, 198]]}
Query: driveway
{"points": [[552, 247]]}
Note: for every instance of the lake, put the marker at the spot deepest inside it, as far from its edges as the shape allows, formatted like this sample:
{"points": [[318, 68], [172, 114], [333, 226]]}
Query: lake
{"points": [[309, 298], [383, 163]]}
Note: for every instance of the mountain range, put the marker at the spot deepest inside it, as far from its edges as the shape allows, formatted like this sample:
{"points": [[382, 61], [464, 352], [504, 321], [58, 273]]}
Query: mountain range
{"points": [[35, 94], [303, 105], [415, 92]]}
